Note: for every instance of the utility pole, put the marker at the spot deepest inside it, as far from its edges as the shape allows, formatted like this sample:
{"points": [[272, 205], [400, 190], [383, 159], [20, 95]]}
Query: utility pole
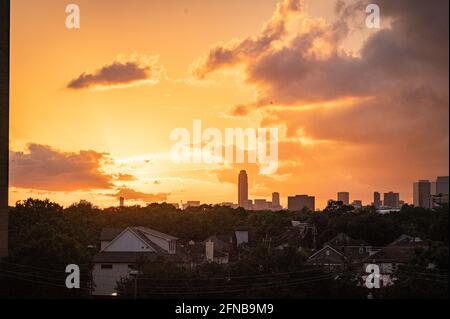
{"points": [[135, 274], [4, 124]]}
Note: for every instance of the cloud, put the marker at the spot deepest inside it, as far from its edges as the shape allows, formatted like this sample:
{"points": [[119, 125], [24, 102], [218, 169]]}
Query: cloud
{"points": [[234, 52], [240, 110], [121, 73], [395, 129], [130, 194], [44, 168]]}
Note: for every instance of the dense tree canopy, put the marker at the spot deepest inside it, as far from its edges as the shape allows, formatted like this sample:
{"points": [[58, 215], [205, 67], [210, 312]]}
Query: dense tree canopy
{"points": [[45, 237]]}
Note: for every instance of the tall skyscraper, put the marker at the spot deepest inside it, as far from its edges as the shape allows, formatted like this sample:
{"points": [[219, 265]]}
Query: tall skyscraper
{"points": [[121, 202], [422, 194], [4, 126], [299, 202], [276, 201], [391, 200], [243, 190], [376, 199], [344, 197]]}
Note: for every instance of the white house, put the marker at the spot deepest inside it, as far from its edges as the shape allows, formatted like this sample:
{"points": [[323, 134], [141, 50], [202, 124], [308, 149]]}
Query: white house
{"points": [[122, 250]]}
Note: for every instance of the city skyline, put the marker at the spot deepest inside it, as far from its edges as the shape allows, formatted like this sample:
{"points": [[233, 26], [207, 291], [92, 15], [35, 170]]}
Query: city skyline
{"points": [[96, 122], [423, 197]]}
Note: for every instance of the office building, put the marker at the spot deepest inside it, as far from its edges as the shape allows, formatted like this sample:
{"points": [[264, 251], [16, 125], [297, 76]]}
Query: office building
{"points": [[439, 192], [422, 194], [391, 200], [299, 202], [243, 190], [442, 185], [276, 201], [262, 204], [433, 188], [343, 197], [377, 200], [121, 202]]}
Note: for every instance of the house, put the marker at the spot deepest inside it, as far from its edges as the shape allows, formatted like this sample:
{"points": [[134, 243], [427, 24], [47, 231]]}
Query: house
{"points": [[341, 251], [123, 250], [213, 255], [389, 258], [220, 248], [301, 235]]}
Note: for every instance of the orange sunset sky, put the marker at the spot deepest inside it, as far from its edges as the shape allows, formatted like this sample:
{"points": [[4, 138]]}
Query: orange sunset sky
{"points": [[358, 109]]}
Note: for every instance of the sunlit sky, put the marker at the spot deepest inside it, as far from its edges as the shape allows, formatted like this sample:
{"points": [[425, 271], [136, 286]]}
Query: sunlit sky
{"points": [[100, 140]]}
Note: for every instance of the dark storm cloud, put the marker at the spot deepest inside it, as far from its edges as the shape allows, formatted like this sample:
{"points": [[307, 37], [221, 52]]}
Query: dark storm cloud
{"points": [[118, 73], [45, 168]]}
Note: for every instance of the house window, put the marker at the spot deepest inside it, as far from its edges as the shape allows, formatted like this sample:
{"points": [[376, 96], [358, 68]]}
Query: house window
{"points": [[131, 267], [361, 250], [327, 252], [107, 266]]}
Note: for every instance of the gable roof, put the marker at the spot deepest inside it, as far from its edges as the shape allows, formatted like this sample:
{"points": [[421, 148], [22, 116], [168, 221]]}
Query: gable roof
{"points": [[146, 240], [129, 229], [324, 248], [155, 233], [141, 233], [406, 240], [392, 254], [345, 240], [400, 250]]}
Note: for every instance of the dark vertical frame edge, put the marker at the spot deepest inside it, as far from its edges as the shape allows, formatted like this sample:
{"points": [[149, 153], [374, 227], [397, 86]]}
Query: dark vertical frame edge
{"points": [[4, 122]]}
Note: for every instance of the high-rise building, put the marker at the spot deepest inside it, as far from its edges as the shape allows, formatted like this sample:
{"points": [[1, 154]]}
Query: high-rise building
{"points": [[121, 202], [391, 200], [276, 201], [422, 194], [439, 192], [433, 188], [343, 197], [262, 204], [299, 202], [243, 190], [442, 185], [377, 200]]}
